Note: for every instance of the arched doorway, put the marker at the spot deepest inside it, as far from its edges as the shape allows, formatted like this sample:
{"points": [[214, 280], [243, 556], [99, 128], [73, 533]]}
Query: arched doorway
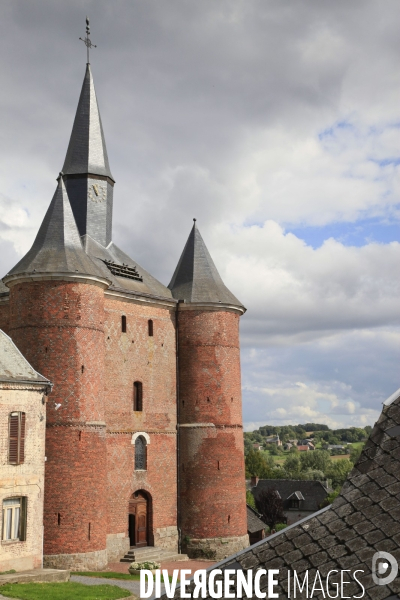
{"points": [[139, 519]]}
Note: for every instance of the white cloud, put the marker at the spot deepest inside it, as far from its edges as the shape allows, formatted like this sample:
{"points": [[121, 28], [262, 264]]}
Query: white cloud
{"points": [[253, 117]]}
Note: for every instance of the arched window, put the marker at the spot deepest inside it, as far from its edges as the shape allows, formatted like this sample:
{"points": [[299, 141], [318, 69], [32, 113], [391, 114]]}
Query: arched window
{"points": [[123, 324], [137, 396], [150, 326], [140, 454]]}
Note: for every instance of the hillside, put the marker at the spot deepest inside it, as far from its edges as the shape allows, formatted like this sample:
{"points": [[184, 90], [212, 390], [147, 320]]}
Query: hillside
{"points": [[319, 432]]}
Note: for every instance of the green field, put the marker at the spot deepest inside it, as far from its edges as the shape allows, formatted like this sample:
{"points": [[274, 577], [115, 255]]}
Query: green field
{"points": [[63, 591]]}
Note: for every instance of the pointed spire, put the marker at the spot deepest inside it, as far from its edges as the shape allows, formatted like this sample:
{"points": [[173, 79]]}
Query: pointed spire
{"points": [[57, 247], [87, 152], [196, 278]]}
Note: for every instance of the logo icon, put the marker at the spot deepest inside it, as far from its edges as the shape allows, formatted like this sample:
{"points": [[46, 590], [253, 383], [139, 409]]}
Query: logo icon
{"points": [[384, 568]]}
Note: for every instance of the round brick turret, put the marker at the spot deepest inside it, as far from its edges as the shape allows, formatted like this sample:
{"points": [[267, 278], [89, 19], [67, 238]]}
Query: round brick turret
{"points": [[211, 457], [59, 326]]}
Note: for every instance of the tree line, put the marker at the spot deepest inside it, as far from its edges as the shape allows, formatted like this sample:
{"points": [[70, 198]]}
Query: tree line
{"points": [[316, 464]]}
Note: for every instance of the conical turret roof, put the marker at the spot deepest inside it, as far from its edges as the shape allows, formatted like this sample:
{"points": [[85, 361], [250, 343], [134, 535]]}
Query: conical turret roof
{"points": [[87, 152], [57, 247], [196, 278]]}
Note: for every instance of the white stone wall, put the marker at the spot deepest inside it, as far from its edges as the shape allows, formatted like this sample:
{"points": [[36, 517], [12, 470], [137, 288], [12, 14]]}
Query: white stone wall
{"points": [[26, 479]]}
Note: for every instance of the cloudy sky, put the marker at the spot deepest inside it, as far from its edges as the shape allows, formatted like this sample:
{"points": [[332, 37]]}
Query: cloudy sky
{"points": [[277, 124]]}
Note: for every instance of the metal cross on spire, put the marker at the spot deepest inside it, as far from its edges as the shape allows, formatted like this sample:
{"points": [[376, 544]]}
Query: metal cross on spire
{"points": [[86, 40]]}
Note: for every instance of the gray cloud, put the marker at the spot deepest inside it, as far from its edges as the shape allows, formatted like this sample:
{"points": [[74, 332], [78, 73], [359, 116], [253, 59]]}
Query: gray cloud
{"points": [[232, 112]]}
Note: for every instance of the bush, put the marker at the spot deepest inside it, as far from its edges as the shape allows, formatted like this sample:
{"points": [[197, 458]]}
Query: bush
{"points": [[250, 499], [149, 565]]}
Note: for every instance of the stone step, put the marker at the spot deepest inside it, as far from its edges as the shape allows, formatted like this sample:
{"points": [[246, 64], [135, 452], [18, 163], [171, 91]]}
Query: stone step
{"points": [[151, 553]]}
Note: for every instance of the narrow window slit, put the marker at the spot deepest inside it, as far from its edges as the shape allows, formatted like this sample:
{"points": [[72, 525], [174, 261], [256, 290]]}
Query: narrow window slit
{"points": [[150, 327], [59, 519], [123, 324], [137, 396]]}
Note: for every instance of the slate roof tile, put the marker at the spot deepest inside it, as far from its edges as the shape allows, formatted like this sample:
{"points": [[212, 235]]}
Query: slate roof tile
{"points": [[334, 539], [14, 367]]}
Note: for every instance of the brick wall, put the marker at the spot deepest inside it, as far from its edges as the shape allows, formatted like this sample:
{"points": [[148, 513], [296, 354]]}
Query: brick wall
{"points": [[211, 439], [136, 356], [59, 327], [27, 479]]}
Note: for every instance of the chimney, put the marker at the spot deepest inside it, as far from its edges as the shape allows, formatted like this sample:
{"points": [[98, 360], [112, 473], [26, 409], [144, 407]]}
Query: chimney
{"points": [[254, 480]]}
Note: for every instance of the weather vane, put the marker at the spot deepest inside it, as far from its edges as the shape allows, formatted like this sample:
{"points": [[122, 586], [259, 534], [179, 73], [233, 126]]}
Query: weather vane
{"points": [[87, 41]]}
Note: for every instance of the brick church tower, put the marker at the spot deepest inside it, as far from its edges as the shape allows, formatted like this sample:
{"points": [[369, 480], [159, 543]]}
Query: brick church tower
{"points": [[144, 440], [56, 320], [211, 500]]}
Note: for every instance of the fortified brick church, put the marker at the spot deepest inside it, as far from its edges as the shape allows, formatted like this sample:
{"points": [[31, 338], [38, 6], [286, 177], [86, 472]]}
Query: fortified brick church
{"points": [[144, 442]]}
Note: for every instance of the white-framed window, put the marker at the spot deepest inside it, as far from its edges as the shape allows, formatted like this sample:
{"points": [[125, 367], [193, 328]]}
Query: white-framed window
{"points": [[14, 519], [140, 454]]}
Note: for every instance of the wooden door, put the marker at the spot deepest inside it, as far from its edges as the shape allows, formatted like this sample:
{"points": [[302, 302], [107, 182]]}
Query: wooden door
{"points": [[138, 526]]}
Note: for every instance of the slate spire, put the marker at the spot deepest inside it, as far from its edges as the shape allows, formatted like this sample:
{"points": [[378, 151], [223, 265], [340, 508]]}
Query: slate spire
{"points": [[57, 247], [86, 169], [87, 152], [196, 278]]}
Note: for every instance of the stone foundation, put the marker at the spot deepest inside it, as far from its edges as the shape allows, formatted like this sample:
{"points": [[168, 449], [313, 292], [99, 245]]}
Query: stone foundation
{"points": [[117, 546], [166, 538], [85, 561], [214, 548]]}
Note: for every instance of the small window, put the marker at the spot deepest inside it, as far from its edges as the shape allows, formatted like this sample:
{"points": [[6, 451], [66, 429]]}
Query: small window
{"points": [[140, 454], [123, 324], [137, 396], [14, 519], [294, 503], [150, 326], [16, 438]]}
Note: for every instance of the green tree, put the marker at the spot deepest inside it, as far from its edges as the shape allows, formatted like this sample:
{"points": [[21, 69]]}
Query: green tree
{"points": [[256, 465], [338, 471], [313, 475], [270, 506], [355, 454], [315, 459], [292, 466], [250, 499], [329, 499]]}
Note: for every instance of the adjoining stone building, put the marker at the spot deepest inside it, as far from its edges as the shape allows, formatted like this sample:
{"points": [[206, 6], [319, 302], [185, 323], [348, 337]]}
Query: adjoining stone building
{"points": [[22, 459], [145, 418]]}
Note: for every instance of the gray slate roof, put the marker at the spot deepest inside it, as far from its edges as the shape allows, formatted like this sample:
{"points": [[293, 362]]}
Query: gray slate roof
{"points": [[87, 152], [13, 365], [57, 246], [314, 492], [254, 523], [364, 519], [98, 253], [196, 278]]}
